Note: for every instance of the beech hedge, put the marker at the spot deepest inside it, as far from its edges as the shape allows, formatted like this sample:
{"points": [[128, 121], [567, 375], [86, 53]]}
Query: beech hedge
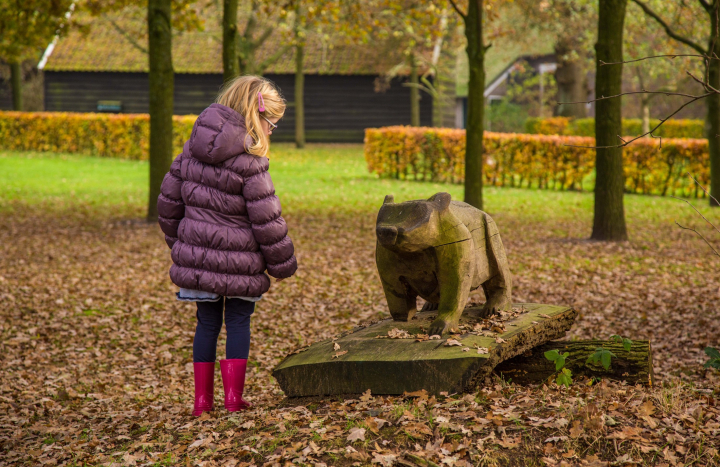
{"points": [[124, 136], [537, 161], [631, 127]]}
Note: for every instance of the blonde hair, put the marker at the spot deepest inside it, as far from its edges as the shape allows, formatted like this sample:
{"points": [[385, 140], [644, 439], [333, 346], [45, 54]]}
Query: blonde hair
{"points": [[241, 95]]}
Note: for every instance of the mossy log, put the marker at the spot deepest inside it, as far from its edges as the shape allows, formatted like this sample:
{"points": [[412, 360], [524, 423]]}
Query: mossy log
{"points": [[633, 366], [367, 359]]}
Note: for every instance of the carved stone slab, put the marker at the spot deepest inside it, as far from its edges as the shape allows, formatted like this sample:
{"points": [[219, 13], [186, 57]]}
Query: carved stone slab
{"points": [[368, 359]]}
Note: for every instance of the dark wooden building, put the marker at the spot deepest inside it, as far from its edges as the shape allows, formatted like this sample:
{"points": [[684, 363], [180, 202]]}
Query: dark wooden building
{"points": [[104, 71]]}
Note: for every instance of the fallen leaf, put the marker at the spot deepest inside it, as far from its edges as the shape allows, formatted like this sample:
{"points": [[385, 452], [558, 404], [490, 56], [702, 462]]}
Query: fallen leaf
{"points": [[509, 443], [386, 460], [577, 429], [356, 434]]}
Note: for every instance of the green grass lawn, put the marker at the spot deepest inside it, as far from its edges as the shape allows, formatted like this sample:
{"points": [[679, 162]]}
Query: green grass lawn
{"points": [[321, 178]]}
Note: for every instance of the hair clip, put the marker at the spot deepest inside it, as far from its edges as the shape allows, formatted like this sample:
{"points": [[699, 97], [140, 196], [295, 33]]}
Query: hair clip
{"points": [[261, 102]]}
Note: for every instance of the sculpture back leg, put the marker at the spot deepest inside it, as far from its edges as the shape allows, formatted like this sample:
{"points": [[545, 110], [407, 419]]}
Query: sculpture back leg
{"points": [[498, 289]]}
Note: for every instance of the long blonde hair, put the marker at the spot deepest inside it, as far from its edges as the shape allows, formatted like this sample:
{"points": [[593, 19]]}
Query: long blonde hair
{"points": [[241, 95]]}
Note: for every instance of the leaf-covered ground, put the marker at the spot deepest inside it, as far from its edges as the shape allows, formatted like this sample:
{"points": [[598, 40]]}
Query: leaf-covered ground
{"points": [[96, 354]]}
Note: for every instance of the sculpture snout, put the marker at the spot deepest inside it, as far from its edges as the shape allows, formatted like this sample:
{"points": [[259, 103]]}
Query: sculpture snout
{"points": [[386, 235]]}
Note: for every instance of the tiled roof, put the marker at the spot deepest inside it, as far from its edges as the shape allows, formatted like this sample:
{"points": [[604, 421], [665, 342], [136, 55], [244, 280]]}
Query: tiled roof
{"points": [[104, 48]]}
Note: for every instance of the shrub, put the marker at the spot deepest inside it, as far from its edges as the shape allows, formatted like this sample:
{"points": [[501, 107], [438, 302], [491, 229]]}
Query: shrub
{"points": [[124, 136], [631, 127], [540, 161], [505, 117], [547, 126]]}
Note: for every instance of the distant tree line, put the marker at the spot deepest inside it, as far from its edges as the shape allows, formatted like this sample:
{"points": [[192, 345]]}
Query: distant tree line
{"points": [[420, 29]]}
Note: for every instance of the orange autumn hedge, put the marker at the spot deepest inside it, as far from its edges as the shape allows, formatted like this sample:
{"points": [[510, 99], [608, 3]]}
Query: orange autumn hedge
{"points": [[542, 161], [125, 136]]}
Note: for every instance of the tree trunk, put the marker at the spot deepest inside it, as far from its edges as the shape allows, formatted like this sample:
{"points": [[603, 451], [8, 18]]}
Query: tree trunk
{"points": [[437, 110], [231, 65], [161, 79], [645, 102], [712, 123], [609, 220], [299, 97], [571, 82], [414, 92], [16, 82], [476, 105], [634, 366]]}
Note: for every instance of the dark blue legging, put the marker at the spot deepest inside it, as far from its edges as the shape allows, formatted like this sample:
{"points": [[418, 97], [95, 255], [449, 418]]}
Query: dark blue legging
{"points": [[209, 323]]}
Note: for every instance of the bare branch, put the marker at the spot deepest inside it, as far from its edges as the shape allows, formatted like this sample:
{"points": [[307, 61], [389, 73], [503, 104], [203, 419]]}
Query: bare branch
{"points": [[126, 35], [699, 213], [669, 31], [701, 236], [703, 189], [651, 130], [667, 93], [272, 59], [418, 86], [658, 137], [457, 9], [658, 56], [705, 84]]}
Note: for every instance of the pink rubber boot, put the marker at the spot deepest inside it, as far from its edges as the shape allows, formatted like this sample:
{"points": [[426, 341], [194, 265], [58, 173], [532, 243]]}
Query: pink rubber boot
{"points": [[204, 387], [233, 377]]}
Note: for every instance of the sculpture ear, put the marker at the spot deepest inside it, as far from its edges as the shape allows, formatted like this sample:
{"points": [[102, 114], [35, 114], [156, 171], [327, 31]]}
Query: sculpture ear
{"points": [[441, 200], [389, 199]]}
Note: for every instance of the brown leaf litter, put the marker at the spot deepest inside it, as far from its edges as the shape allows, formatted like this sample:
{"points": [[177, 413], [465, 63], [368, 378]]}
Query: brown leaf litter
{"points": [[96, 353]]}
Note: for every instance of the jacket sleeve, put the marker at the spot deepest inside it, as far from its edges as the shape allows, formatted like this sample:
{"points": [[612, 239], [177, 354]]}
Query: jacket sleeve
{"points": [[268, 226], [171, 208]]}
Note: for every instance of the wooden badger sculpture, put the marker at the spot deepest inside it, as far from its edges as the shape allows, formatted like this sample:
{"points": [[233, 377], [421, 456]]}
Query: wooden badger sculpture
{"points": [[440, 250]]}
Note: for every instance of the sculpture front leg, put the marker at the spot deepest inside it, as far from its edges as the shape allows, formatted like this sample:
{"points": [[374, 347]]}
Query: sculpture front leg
{"points": [[455, 281], [402, 302]]}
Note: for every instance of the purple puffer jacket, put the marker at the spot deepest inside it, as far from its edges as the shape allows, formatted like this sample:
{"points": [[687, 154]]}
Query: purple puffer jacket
{"points": [[219, 212]]}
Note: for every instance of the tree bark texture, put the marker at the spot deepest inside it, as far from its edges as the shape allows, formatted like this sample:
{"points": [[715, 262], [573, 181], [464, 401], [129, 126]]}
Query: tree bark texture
{"points": [[299, 96], [16, 83], [609, 219], [712, 123], [571, 81], [476, 105], [634, 366], [414, 92], [161, 79], [231, 66]]}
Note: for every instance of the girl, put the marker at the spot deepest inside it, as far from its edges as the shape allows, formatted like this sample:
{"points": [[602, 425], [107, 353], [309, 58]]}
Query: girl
{"points": [[222, 220]]}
